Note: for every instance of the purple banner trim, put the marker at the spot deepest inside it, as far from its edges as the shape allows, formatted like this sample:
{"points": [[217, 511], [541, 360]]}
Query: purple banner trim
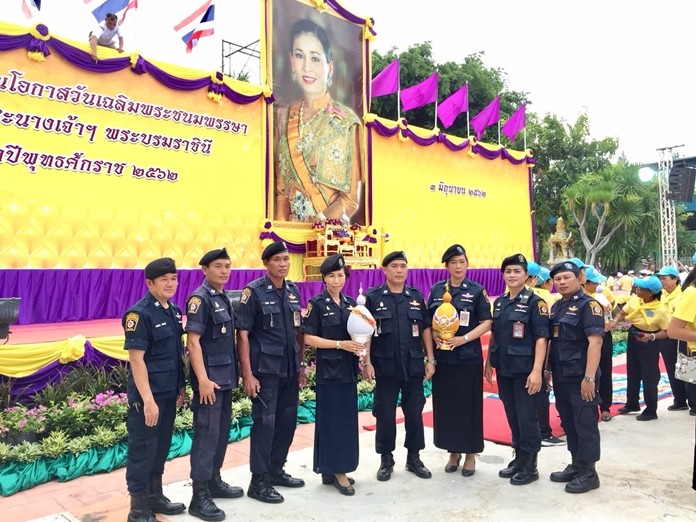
{"points": [[350, 16], [83, 60], [293, 248], [60, 295], [503, 153]]}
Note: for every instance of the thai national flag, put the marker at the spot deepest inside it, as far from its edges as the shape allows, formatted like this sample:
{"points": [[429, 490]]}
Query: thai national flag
{"points": [[198, 24], [29, 7], [120, 8]]}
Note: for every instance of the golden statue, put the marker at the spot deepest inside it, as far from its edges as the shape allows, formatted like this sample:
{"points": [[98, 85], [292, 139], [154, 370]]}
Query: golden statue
{"points": [[560, 242]]}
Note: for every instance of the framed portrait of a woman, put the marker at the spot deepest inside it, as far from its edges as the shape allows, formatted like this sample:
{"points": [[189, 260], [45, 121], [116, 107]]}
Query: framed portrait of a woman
{"points": [[317, 75]]}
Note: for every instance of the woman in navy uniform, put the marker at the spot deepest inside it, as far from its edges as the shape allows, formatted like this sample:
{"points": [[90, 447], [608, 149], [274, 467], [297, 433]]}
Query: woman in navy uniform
{"points": [[210, 343], [153, 331], [336, 427], [270, 358], [518, 353], [458, 383], [577, 329]]}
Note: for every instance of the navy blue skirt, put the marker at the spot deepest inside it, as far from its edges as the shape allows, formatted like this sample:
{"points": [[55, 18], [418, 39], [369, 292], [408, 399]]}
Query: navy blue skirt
{"points": [[336, 447]]}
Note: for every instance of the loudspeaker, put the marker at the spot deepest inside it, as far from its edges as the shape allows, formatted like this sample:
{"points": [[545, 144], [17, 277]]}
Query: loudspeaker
{"points": [[681, 183]]}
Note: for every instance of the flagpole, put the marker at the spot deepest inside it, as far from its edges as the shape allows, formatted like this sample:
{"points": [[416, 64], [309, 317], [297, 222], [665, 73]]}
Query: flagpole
{"points": [[498, 131], [468, 131], [398, 95], [435, 122], [524, 133]]}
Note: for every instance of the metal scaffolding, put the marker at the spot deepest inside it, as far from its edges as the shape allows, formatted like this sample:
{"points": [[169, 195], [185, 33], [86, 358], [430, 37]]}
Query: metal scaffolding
{"points": [[233, 55], [668, 219]]}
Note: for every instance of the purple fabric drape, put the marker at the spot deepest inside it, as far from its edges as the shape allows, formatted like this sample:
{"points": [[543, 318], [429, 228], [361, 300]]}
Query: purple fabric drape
{"points": [[23, 388], [8, 43], [59, 295], [84, 60], [503, 153]]}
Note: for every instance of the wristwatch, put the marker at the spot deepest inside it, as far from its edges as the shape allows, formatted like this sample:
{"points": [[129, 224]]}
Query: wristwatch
{"points": [[431, 361], [589, 378], [466, 338]]}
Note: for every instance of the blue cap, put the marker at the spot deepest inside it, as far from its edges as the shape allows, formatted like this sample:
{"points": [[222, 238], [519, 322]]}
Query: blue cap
{"points": [[578, 262], [532, 269], [544, 275], [668, 270], [693, 258], [651, 283], [592, 275]]}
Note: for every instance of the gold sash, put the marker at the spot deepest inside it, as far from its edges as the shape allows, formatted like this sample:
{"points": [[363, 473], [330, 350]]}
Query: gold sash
{"points": [[302, 172]]}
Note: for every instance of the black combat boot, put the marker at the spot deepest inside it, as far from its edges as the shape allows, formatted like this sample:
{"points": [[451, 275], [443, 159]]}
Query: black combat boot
{"points": [[513, 466], [139, 509], [415, 465], [386, 468], [220, 489], [202, 506], [528, 471], [261, 489], [158, 502], [568, 474], [586, 479]]}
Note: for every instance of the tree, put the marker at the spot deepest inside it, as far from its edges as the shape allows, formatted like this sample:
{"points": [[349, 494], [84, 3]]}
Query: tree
{"points": [[604, 203], [563, 152]]}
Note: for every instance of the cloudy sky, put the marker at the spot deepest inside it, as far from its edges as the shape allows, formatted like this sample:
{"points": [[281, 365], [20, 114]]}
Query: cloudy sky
{"points": [[627, 63]]}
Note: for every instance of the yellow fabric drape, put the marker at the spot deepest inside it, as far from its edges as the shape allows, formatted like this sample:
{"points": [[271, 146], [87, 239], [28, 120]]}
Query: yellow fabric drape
{"points": [[24, 359]]}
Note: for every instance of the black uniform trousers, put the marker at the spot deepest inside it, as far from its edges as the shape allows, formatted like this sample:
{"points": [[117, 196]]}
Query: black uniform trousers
{"points": [[542, 406], [579, 421], [642, 364], [274, 412], [683, 393], [211, 434], [521, 412], [606, 362], [386, 395], [148, 447]]}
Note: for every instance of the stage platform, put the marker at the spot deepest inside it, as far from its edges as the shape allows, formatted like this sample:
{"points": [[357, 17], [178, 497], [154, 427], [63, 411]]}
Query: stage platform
{"points": [[50, 332]]}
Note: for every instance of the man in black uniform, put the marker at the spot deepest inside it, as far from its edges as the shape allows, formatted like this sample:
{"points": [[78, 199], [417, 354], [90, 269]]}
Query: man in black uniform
{"points": [[395, 358], [270, 359], [577, 328], [153, 333], [211, 348]]}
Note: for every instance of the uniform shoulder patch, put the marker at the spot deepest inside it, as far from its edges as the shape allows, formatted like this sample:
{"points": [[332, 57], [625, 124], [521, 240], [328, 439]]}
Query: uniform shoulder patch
{"points": [[132, 321], [485, 294], [543, 309], [193, 305], [309, 309], [595, 308], [246, 294]]}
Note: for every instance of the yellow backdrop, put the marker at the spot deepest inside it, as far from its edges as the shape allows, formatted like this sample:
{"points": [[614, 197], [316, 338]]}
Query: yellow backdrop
{"points": [[58, 218], [428, 198]]}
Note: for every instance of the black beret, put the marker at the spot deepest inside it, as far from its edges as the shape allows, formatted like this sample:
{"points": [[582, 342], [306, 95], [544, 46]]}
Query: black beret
{"points": [[515, 259], [273, 249], [565, 266], [218, 253], [454, 250], [332, 263], [393, 256], [159, 267]]}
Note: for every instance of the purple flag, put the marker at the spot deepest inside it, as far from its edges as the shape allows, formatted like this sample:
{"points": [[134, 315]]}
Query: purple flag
{"points": [[420, 94], [486, 117], [453, 106], [515, 123], [387, 81]]}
